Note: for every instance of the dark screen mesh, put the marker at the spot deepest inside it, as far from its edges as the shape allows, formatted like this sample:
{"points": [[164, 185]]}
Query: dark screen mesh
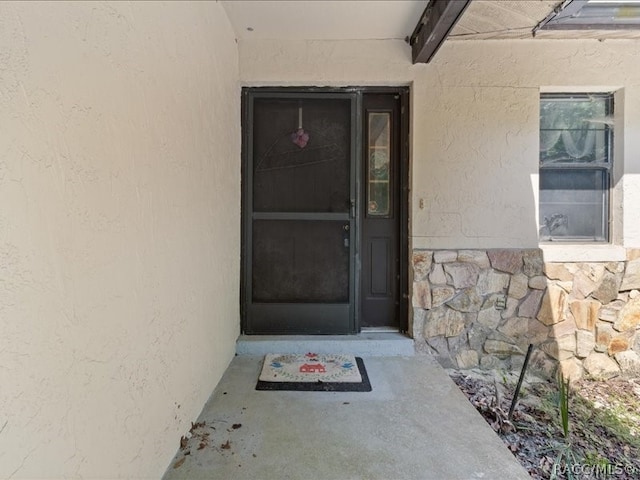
{"points": [[296, 261], [311, 177]]}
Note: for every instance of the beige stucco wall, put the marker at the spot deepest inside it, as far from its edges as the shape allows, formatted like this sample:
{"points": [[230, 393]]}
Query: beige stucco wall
{"points": [[119, 231], [475, 125]]}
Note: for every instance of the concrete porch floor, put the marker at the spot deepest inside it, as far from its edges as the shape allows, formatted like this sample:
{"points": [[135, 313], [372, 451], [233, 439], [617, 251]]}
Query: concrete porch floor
{"points": [[415, 424]]}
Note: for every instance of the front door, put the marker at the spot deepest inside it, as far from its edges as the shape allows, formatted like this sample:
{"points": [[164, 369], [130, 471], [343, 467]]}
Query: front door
{"points": [[321, 203], [380, 239]]}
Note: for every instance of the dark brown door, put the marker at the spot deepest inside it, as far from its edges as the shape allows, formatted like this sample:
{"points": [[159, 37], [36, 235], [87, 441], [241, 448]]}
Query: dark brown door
{"points": [[380, 237], [299, 206], [323, 211]]}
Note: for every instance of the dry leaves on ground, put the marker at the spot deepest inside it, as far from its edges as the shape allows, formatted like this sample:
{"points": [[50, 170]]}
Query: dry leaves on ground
{"points": [[604, 424]]}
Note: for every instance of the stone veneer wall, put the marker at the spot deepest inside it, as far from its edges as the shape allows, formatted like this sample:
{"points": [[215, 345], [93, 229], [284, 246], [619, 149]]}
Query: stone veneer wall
{"points": [[484, 307]]}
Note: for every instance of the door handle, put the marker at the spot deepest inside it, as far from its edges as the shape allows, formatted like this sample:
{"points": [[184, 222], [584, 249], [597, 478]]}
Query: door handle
{"points": [[353, 209]]}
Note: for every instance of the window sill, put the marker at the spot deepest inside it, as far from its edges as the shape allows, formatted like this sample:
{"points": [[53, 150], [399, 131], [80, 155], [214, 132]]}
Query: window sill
{"points": [[583, 253]]}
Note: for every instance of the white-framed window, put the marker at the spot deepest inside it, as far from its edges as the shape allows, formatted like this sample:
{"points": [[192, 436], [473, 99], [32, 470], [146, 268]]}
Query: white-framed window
{"points": [[576, 164]]}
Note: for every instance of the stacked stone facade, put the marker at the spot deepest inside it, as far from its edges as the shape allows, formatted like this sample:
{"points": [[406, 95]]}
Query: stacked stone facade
{"points": [[484, 307]]}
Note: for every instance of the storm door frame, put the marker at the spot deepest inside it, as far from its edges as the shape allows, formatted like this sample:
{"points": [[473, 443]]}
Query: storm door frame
{"points": [[355, 215]]}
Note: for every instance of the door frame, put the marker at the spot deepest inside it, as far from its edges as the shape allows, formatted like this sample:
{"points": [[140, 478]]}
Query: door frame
{"points": [[403, 92]]}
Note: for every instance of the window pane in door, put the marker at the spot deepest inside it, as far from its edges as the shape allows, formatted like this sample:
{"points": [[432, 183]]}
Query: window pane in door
{"points": [[378, 165], [301, 151]]}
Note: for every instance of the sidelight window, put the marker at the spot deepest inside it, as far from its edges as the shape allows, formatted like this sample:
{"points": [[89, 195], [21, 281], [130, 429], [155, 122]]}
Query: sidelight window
{"points": [[378, 165]]}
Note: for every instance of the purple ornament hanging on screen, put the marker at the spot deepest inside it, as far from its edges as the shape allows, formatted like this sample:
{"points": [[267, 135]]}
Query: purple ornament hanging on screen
{"points": [[300, 137]]}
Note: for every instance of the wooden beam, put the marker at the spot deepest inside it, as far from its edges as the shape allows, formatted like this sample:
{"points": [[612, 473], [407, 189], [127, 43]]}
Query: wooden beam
{"points": [[436, 22]]}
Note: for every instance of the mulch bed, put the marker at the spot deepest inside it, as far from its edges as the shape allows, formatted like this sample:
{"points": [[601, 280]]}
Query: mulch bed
{"points": [[604, 424]]}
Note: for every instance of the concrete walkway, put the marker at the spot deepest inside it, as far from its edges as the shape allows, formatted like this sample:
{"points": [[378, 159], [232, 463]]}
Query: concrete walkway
{"points": [[415, 424]]}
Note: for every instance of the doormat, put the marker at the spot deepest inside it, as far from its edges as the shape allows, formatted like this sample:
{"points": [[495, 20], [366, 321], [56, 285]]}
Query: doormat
{"points": [[313, 372]]}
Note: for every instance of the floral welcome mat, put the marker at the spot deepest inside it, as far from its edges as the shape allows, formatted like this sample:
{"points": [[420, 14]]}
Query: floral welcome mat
{"points": [[313, 372]]}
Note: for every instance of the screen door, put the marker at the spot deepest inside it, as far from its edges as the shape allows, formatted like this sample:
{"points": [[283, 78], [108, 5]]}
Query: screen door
{"points": [[299, 209]]}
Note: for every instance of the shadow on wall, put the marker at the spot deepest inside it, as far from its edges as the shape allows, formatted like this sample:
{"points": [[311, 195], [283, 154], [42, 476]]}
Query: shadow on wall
{"points": [[482, 308]]}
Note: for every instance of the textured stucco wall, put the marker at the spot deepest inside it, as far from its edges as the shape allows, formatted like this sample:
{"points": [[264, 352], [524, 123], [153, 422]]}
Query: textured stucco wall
{"points": [[119, 231], [474, 123]]}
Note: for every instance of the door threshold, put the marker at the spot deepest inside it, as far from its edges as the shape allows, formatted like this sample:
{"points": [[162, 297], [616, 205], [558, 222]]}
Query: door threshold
{"points": [[367, 343], [380, 330]]}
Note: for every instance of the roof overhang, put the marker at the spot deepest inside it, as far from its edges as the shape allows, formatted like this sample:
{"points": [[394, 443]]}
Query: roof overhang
{"points": [[593, 15]]}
